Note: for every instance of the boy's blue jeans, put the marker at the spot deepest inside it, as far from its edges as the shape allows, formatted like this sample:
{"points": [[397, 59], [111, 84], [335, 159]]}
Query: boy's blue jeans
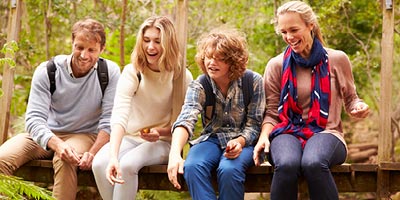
{"points": [[290, 161], [206, 157]]}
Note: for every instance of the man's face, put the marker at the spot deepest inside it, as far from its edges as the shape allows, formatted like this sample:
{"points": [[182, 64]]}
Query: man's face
{"points": [[85, 53]]}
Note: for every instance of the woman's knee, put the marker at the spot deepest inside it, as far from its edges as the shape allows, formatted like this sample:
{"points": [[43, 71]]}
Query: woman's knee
{"points": [[130, 167], [99, 164], [287, 166], [313, 165]]}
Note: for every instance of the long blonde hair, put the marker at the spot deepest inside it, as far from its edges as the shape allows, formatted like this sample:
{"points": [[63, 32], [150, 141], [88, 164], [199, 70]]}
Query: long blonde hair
{"points": [[169, 60], [306, 13]]}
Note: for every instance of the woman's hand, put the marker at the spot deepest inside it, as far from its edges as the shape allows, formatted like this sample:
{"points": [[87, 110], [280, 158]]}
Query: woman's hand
{"points": [[361, 110], [151, 135], [113, 173]]}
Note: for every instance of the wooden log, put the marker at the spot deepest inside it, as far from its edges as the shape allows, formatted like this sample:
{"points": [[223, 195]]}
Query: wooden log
{"points": [[352, 151], [362, 155], [362, 146]]}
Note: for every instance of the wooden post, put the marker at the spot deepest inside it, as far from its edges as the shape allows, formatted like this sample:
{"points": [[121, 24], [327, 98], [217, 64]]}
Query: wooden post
{"points": [[181, 29], [385, 146], [14, 26]]}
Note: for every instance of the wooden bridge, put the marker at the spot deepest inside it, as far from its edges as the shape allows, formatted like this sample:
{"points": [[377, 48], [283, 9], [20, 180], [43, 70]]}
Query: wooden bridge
{"points": [[382, 178], [348, 177]]}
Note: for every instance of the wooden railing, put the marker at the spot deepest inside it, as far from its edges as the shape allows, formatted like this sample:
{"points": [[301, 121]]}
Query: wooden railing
{"points": [[348, 177]]}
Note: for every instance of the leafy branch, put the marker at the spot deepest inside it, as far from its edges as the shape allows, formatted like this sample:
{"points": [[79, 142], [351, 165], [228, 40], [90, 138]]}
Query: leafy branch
{"points": [[9, 48], [12, 187]]}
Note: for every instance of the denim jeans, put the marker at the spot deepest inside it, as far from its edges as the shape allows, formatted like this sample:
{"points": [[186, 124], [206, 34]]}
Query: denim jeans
{"points": [[207, 156], [290, 161]]}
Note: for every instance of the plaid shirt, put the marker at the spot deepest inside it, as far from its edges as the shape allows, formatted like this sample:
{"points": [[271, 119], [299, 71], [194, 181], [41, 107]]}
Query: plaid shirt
{"points": [[229, 120]]}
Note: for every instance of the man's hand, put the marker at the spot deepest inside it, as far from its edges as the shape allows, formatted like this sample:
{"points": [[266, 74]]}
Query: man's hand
{"points": [[86, 160], [64, 151]]}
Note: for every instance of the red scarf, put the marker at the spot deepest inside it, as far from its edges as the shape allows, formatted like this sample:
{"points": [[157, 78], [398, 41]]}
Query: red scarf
{"points": [[290, 113]]}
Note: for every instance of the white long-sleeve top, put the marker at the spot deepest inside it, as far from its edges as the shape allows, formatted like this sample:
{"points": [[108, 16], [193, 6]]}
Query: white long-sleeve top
{"points": [[146, 103]]}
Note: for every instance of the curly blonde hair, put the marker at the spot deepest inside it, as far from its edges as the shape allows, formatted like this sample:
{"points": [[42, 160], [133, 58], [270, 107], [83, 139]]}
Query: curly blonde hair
{"points": [[228, 44]]}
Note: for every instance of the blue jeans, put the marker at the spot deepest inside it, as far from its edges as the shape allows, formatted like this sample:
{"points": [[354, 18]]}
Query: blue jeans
{"points": [[207, 156], [290, 161]]}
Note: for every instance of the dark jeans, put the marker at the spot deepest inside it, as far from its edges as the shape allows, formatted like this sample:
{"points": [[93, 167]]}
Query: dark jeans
{"points": [[290, 161]]}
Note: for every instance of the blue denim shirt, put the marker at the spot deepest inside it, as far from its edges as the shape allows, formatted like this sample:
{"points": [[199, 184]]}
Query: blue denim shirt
{"points": [[230, 113]]}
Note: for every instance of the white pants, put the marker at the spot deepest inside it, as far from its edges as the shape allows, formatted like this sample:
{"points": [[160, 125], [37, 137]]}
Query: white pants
{"points": [[132, 157]]}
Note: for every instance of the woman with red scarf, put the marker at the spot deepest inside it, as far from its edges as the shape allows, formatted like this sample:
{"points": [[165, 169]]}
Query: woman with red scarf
{"points": [[306, 87]]}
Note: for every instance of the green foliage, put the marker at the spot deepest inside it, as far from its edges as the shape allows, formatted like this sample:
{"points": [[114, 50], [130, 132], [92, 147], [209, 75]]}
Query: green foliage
{"points": [[348, 25], [156, 195], [14, 188], [351, 27], [22, 82], [20, 95], [9, 48]]}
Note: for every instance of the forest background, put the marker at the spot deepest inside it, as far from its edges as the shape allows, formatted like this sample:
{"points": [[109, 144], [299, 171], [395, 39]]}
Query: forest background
{"points": [[354, 27]]}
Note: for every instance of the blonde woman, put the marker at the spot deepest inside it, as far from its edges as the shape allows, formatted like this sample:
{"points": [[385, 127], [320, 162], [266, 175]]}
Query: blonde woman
{"points": [[141, 118], [306, 88]]}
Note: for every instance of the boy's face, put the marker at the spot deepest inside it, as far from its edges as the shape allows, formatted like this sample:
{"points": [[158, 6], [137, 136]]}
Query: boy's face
{"points": [[216, 67], [85, 53]]}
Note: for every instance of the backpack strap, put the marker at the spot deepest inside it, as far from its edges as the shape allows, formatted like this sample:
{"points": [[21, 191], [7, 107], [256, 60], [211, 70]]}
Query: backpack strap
{"points": [[209, 106], [210, 99], [139, 76], [102, 73], [247, 87], [248, 90], [51, 72]]}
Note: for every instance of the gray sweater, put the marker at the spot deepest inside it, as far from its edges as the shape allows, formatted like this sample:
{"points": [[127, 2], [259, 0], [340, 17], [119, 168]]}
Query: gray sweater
{"points": [[76, 106]]}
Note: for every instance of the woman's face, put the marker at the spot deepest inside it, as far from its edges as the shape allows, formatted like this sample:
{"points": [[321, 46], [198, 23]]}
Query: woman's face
{"points": [[216, 67], [296, 33], [152, 47]]}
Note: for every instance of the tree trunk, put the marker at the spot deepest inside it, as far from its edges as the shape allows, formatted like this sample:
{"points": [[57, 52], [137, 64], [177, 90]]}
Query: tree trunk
{"points": [[122, 35], [14, 27]]}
